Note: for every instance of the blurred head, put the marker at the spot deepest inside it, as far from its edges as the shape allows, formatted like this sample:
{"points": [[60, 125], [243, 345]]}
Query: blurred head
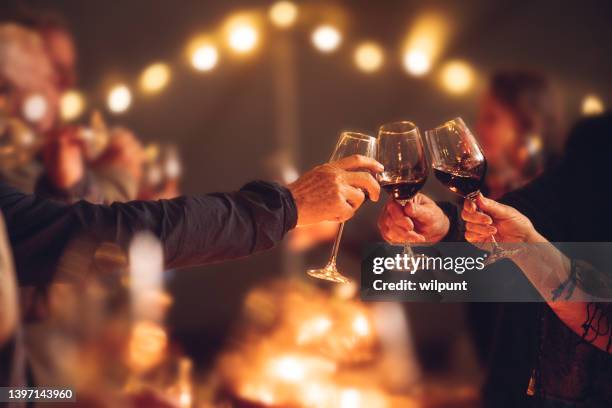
{"points": [[58, 43], [26, 77], [519, 123]]}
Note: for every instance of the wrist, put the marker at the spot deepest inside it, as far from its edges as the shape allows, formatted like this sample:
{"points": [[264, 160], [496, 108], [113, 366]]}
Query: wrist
{"points": [[534, 236], [442, 230]]}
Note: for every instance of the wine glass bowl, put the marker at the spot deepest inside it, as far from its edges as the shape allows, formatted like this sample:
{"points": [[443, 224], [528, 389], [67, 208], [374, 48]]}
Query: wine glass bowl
{"points": [[400, 151]]}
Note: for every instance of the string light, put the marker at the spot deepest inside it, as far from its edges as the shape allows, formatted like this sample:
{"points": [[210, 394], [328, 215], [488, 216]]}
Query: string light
{"points": [[283, 14], [119, 99], [417, 62], [155, 78], [72, 104], [205, 57], [592, 105], [326, 38], [242, 36], [369, 57], [457, 77]]}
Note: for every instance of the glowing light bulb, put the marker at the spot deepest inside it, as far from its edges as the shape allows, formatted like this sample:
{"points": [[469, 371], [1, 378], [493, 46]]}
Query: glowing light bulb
{"points": [[243, 38], [369, 57], [326, 38], [155, 77], [417, 62], [34, 108], [119, 99], [205, 57], [283, 14], [592, 105], [72, 104], [457, 77]]}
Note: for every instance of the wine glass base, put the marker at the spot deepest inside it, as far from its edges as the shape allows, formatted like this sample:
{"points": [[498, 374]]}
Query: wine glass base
{"points": [[328, 273], [499, 254]]}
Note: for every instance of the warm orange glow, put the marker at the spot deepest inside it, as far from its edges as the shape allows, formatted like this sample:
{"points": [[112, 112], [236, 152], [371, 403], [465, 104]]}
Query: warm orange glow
{"points": [[369, 57], [283, 14], [119, 98], [424, 43], [417, 62], [326, 38], [72, 104], [457, 77], [361, 325], [592, 105], [242, 34], [147, 345], [155, 77]]}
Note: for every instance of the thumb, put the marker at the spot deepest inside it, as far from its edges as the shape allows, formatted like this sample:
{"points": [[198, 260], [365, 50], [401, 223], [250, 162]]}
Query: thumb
{"points": [[493, 208], [417, 212]]}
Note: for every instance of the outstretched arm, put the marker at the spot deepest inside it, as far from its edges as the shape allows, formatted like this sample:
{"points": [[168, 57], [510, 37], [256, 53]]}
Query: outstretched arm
{"points": [[552, 273], [193, 230]]}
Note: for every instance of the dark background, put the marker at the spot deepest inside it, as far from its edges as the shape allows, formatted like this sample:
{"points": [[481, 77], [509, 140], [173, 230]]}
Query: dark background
{"points": [[224, 121]]}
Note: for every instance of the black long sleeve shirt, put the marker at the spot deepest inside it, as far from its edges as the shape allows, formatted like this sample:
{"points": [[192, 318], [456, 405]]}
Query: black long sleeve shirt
{"points": [[193, 230]]}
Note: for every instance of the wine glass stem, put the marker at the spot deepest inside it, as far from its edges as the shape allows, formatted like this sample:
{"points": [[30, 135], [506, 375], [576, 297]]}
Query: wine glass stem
{"points": [[407, 248], [472, 198], [334, 253]]}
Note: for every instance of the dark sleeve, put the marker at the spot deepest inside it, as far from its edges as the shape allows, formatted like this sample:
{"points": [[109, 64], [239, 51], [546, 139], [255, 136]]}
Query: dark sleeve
{"points": [[193, 230], [456, 227], [84, 189]]}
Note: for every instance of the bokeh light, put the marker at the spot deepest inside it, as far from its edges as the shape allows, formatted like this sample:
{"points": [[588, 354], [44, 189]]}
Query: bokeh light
{"points": [[205, 57], [457, 77], [417, 62], [369, 57], [592, 105], [119, 98], [72, 104], [34, 108], [425, 42], [326, 38], [155, 77], [242, 36], [283, 14]]}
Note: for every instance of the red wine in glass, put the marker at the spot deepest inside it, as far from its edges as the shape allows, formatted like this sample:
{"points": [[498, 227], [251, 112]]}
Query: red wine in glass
{"points": [[465, 181], [403, 190]]}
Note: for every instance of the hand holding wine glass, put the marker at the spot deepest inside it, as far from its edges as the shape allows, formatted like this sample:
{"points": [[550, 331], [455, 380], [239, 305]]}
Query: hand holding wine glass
{"points": [[334, 191], [487, 218], [459, 164], [421, 220], [348, 183]]}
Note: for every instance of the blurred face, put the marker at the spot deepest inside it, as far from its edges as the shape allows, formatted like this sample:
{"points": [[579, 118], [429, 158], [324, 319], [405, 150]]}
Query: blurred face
{"points": [[61, 51], [496, 129]]}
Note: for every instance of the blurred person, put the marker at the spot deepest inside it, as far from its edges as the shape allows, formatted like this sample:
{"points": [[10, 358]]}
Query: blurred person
{"points": [[58, 44], [25, 72], [519, 127], [112, 176], [38, 57], [547, 351]]}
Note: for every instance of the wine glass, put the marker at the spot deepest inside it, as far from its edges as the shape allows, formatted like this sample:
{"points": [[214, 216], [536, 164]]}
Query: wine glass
{"points": [[400, 150], [459, 163], [349, 143]]}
